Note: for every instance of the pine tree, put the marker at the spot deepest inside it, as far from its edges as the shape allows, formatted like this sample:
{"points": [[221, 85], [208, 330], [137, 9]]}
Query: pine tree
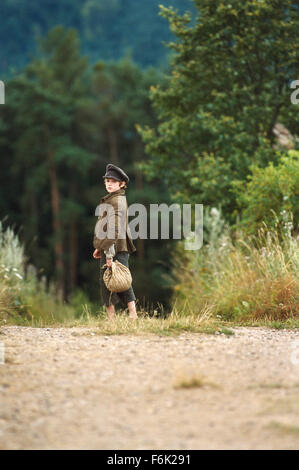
{"points": [[229, 84]]}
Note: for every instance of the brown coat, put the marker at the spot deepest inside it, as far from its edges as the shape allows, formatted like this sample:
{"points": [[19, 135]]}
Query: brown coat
{"points": [[112, 225]]}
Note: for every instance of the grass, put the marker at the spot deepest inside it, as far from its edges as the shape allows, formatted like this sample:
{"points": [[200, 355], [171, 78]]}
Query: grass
{"points": [[283, 428], [270, 386], [45, 311], [227, 284], [274, 385], [195, 381], [244, 280], [192, 380], [173, 325]]}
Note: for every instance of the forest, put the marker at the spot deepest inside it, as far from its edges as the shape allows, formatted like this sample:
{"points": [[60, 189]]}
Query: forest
{"points": [[197, 102], [108, 29], [192, 99]]}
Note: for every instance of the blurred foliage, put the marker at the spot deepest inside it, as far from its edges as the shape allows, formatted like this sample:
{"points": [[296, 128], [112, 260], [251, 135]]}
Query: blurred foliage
{"points": [[25, 299], [108, 29], [200, 132], [229, 84], [62, 123], [271, 195], [247, 278]]}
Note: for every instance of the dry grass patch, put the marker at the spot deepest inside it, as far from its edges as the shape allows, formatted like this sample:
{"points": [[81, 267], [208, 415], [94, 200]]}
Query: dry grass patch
{"points": [[248, 279], [285, 406], [283, 428], [277, 385], [192, 379], [172, 325]]}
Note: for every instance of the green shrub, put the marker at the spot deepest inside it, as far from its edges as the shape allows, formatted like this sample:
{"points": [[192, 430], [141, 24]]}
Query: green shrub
{"points": [[271, 196], [80, 303], [24, 299], [247, 278]]}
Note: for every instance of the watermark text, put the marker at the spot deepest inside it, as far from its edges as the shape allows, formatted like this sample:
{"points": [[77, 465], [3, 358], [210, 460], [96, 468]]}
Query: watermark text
{"points": [[2, 92], [112, 222], [294, 99]]}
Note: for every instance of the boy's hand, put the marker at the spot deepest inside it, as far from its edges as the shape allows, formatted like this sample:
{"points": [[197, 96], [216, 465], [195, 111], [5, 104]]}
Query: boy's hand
{"points": [[109, 262], [96, 254]]}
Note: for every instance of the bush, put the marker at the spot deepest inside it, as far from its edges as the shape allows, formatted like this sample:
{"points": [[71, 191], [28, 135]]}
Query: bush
{"points": [[271, 196], [80, 303], [24, 299], [247, 278]]}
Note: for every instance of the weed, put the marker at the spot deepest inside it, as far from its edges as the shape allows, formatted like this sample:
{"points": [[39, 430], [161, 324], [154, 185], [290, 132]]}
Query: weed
{"points": [[192, 380], [283, 428], [240, 279]]}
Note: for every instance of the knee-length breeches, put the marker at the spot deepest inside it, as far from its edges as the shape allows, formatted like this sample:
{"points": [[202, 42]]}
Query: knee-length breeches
{"points": [[124, 297]]}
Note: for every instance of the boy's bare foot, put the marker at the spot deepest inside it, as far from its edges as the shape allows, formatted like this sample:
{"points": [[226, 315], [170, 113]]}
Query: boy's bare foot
{"points": [[132, 310], [111, 311], [133, 318]]}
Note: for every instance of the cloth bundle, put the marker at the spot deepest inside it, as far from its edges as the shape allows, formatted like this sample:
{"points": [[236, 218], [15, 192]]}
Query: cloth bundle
{"points": [[118, 278]]}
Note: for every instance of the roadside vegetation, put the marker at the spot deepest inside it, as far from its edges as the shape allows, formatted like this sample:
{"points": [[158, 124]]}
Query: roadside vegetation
{"points": [[249, 281], [245, 279]]}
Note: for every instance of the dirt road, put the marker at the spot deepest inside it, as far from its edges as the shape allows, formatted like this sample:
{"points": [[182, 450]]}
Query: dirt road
{"points": [[71, 388]]}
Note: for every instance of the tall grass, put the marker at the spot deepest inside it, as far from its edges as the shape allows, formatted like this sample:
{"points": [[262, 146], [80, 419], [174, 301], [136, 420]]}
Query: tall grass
{"points": [[147, 323], [27, 300], [240, 278], [232, 278], [24, 299]]}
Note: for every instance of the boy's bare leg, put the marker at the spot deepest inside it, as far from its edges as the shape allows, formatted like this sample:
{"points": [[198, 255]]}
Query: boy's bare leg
{"points": [[132, 310], [111, 311]]}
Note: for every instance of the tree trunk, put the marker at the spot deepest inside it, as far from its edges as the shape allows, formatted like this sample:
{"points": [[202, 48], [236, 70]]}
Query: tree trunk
{"points": [[73, 244], [112, 139], [73, 247], [34, 226], [139, 187], [57, 228]]}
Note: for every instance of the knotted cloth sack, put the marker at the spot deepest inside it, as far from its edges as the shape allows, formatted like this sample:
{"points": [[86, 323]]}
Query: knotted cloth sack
{"points": [[117, 278]]}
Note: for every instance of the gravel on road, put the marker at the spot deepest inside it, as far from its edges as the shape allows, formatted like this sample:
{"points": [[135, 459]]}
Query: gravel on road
{"points": [[73, 388]]}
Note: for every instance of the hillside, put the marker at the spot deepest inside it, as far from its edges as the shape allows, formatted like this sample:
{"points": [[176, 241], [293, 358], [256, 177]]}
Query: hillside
{"points": [[108, 28]]}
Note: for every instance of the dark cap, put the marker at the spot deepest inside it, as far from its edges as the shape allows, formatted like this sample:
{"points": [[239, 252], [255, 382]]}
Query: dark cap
{"points": [[116, 173]]}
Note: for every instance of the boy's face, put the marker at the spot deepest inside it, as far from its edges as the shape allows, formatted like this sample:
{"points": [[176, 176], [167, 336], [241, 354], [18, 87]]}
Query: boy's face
{"points": [[112, 185]]}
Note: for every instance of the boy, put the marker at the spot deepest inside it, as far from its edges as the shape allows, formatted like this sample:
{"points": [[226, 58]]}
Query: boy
{"points": [[109, 244]]}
